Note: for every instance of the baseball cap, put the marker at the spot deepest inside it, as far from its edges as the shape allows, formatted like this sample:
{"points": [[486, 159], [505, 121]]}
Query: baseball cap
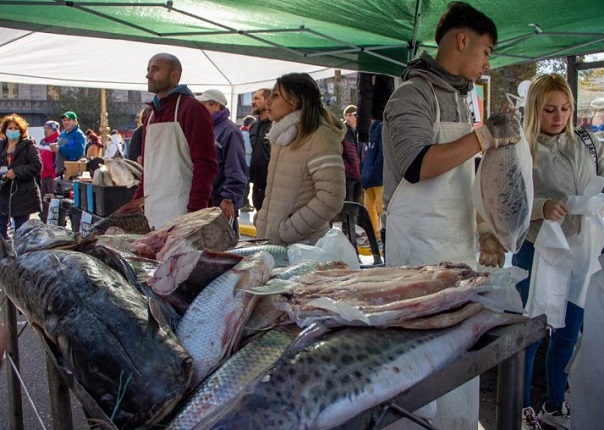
{"points": [[214, 95], [69, 114]]}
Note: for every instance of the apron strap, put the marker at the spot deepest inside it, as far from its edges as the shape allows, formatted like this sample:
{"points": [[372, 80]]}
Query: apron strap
{"points": [[589, 144], [175, 112]]}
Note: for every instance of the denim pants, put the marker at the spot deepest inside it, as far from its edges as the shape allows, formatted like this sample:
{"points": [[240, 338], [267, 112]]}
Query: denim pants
{"points": [[562, 341]]}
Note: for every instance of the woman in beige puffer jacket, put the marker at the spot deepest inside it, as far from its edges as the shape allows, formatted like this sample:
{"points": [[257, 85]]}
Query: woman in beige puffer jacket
{"points": [[306, 185]]}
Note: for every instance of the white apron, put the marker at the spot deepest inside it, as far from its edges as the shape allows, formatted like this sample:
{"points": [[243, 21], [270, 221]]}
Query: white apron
{"points": [[430, 222], [168, 171], [434, 220]]}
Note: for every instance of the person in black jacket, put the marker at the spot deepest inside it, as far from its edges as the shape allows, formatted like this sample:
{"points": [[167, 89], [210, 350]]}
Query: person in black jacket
{"points": [[261, 148], [20, 164], [134, 148]]}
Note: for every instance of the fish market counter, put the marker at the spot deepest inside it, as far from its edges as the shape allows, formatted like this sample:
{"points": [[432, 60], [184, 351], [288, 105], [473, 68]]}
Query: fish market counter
{"points": [[502, 347]]}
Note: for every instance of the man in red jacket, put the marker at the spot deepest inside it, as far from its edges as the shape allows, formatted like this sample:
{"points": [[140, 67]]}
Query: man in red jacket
{"points": [[178, 146]]}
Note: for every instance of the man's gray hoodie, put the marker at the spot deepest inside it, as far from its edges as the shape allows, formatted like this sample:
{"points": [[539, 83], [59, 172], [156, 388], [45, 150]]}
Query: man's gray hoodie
{"points": [[410, 115]]}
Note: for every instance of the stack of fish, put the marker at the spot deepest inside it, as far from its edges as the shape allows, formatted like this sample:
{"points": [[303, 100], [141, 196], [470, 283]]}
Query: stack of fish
{"points": [[119, 172], [206, 339]]}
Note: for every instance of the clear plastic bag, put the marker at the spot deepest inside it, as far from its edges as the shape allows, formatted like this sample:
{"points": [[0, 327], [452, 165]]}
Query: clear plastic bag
{"points": [[334, 246], [503, 192]]}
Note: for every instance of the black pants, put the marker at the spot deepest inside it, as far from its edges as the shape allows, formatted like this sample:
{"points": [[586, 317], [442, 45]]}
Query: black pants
{"points": [[258, 196]]}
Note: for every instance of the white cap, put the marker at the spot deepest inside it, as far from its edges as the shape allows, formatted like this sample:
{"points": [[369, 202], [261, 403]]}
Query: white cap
{"points": [[213, 95]]}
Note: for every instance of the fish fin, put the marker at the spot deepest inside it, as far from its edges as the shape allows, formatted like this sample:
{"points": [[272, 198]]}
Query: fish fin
{"points": [[307, 337], [346, 311], [135, 206], [273, 286], [157, 320]]}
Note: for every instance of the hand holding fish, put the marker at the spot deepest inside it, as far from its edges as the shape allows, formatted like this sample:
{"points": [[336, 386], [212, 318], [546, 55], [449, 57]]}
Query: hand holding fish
{"points": [[499, 129], [492, 253], [554, 210]]}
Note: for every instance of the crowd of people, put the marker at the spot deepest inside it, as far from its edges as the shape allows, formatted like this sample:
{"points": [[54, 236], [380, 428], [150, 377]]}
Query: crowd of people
{"points": [[409, 159]]}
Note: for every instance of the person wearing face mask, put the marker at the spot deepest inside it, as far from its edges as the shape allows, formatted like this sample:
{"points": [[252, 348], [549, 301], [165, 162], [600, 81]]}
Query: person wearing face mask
{"points": [[20, 164], [306, 184], [564, 164]]}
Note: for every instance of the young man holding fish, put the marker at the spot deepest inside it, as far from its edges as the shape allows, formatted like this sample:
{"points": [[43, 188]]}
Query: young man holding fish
{"points": [[429, 150], [178, 146]]}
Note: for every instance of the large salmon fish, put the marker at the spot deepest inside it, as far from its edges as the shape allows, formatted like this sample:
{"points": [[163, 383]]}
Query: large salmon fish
{"points": [[106, 338]]}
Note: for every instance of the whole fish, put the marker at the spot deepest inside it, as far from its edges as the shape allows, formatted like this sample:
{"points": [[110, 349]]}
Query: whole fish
{"points": [[243, 367], [181, 277], [121, 172], [347, 372], [213, 323], [278, 252], [505, 198], [100, 332], [34, 235]]}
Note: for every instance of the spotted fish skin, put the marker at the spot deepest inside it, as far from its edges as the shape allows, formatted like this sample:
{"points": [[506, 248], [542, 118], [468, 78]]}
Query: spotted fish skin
{"points": [[349, 371], [247, 364], [504, 196]]}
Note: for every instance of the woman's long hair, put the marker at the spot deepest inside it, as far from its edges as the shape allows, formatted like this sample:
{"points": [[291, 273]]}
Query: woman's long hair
{"points": [[536, 99], [20, 121], [304, 92]]}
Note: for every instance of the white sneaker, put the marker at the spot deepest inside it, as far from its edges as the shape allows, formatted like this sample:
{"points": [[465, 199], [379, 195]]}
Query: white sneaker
{"points": [[555, 420], [529, 419]]}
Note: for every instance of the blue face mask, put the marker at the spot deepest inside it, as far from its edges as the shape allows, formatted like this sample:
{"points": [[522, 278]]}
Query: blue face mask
{"points": [[13, 134]]}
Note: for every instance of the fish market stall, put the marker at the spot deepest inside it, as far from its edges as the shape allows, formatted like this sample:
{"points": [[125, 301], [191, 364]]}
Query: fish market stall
{"points": [[185, 327]]}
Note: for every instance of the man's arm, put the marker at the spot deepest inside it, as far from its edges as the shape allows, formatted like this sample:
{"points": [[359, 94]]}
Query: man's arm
{"points": [[197, 125], [441, 158]]}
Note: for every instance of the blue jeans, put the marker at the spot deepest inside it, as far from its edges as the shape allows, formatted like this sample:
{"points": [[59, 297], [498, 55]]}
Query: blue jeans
{"points": [[562, 341]]}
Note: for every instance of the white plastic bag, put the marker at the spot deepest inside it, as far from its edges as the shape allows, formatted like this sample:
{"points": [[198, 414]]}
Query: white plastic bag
{"points": [[550, 275], [334, 246], [502, 193]]}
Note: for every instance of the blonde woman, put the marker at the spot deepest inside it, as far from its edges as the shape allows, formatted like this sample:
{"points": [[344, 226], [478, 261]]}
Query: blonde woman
{"points": [[563, 165], [306, 185]]}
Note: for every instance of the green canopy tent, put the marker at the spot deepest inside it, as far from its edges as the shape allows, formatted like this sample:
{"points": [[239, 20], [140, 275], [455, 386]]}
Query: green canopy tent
{"points": [[378, 36]]}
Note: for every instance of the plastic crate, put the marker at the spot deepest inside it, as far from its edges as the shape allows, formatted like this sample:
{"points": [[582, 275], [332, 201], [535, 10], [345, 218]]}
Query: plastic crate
{"points": [[80, 196], [108, 199]]}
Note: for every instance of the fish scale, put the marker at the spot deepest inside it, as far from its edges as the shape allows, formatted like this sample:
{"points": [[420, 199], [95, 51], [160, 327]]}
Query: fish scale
{"points": [[351, 370], [504, 196], [233, 376], [215, 319]]}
